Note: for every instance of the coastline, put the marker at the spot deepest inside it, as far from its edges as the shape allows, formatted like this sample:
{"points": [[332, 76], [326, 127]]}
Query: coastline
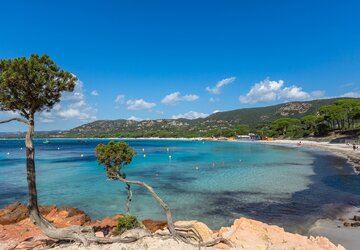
{"points": [[333, 228], [339, 149], [330, 227], [18, 232]]}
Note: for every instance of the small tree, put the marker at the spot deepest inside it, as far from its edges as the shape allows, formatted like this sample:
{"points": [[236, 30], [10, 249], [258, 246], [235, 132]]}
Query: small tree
{"points": [[114, 157]]}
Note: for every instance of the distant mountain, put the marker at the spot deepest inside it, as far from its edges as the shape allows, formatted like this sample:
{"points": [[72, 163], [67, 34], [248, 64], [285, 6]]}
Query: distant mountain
{"points": [[22, 134], [185, 127], [197, 127], [253, 116]]}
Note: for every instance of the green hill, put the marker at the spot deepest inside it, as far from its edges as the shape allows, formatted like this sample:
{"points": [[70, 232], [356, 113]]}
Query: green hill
{"points": [[253, 116], [198, 127]]}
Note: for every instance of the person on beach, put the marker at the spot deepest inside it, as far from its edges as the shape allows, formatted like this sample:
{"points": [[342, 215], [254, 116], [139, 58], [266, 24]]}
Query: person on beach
{"points": [[354, 147]]}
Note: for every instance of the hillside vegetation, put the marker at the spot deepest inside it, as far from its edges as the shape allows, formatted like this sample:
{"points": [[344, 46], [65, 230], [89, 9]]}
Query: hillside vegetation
{"points": [[292, 120], [299, 119]]}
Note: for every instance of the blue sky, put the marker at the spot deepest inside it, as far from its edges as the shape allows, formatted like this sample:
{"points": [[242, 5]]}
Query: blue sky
{"points": [[164, 59]]}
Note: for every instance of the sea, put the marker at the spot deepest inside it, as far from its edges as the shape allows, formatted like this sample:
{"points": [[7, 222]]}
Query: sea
{"points": [[212, 182]]}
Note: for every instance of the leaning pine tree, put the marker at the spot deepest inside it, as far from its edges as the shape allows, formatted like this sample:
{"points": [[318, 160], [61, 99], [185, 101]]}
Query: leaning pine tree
{"points": [[28, 86], [115, 157]]}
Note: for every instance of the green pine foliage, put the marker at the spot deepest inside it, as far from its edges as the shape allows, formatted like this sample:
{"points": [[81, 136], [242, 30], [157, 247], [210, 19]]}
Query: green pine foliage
{"points": [[114, 157], [30, 85]]}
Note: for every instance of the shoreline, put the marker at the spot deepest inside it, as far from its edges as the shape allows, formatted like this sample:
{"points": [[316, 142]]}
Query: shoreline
{"points": [[339, 149], [333, 228]]}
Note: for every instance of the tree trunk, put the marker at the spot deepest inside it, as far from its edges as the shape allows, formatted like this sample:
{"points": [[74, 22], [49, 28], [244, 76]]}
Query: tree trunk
{"points": [[77, 233], [163, 205], [128, 198], [31, 178]]}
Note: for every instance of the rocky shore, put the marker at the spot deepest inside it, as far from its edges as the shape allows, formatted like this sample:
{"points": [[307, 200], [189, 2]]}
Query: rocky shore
{"points": [[18, 232]]}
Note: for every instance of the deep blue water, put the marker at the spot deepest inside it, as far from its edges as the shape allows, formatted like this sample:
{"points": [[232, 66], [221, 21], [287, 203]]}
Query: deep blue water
{"points": [[214, 182]]}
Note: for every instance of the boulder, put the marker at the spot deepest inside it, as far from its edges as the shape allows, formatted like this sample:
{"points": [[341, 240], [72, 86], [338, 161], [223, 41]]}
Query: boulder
{"points": [[154, 225], [106, 222], [347, 224], [18, 231], [99, 234], [61, 217], [355, 224], [195, 229], [13, 213], [252, 234], [64, 217], [356, 218]]}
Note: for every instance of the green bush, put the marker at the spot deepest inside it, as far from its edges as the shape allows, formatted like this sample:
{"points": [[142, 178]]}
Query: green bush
{"points": [[127, 222]]}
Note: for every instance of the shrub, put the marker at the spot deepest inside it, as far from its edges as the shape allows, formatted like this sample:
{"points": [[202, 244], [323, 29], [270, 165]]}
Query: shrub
{"points": [[127, 222]]}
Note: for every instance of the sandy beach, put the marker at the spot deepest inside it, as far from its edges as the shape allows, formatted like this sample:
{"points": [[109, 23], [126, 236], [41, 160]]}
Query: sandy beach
{"points": [[339, 149], [333, 228]]}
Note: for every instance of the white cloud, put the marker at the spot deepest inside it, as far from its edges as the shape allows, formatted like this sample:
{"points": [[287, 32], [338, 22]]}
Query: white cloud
{"points": [[120, 99], [72, 105], [190, 98], [214, 99], [69, 113], [94, 93], [216, 111], [217, 89], [318, 94], [174, 98], [293, 93], [190, 115], [139, 104], [134, 118], [352, 94], [267, 91]]}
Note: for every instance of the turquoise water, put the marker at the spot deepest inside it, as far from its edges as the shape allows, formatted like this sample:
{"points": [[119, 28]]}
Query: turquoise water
{"points": [[214, 182]]}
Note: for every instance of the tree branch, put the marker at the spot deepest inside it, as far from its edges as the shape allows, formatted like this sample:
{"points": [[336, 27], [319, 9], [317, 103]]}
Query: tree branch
{"points": [[16, 119], [171, 226]]}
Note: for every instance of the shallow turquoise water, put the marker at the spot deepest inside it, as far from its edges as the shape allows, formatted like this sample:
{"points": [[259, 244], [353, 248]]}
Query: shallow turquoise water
{"points": [[214, 182]]}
